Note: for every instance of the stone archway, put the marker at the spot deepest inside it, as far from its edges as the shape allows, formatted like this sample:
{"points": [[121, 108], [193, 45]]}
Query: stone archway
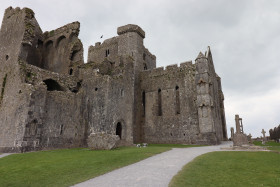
{"points": [[119, 130]]}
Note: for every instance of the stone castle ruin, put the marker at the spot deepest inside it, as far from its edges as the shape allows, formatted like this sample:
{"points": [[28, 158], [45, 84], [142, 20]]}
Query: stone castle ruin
{"points": [[50, 98]]}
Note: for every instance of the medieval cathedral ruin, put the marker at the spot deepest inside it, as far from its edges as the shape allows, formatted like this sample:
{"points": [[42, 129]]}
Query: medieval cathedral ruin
{"points": [[50, 98]]}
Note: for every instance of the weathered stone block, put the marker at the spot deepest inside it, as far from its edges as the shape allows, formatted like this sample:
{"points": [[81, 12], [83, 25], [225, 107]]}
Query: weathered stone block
{"points": [[101, 141], [240, 139]]}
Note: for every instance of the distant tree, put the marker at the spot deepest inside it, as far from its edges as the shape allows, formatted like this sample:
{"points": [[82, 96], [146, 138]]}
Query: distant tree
{"points": [[275, 133]]}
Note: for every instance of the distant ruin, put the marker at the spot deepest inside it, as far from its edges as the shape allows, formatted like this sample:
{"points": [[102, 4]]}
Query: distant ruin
{"points": [[50, 98], [239, 137]]}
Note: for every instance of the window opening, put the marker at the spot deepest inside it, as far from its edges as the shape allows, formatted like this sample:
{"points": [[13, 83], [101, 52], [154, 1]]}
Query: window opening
{"points": [[177, 105], [144, 102], [71, 71], [159, 103], [119, 130]]}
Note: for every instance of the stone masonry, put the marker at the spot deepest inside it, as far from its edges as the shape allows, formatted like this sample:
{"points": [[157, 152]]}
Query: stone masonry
{"points": [[239, 138], [50, 98]]}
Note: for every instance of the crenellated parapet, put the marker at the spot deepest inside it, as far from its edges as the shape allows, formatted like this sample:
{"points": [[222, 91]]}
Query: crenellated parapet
{"points": [[170, 70]]}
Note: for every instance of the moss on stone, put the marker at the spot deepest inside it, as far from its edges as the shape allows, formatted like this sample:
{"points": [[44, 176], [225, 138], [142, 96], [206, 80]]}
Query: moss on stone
{"points": [[29, 28], [29, 13], [51, 33]]}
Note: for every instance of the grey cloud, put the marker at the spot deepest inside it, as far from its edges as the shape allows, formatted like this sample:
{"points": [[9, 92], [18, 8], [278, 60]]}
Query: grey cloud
{"points": [[243, 35]]}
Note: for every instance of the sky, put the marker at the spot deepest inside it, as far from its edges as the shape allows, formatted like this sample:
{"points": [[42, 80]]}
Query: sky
{"points": [[244, 36]]}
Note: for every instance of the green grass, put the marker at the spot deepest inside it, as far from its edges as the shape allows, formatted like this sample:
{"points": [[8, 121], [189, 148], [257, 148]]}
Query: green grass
{"points": [[271, 145], [66, 167], [231, 169]]}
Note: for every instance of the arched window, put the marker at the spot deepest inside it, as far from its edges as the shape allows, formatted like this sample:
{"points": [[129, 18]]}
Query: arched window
{"points": [[49, 44], [60, 40]]}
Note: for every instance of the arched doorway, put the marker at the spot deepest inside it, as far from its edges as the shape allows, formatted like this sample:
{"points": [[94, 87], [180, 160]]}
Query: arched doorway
{"points": [[119, 130]]}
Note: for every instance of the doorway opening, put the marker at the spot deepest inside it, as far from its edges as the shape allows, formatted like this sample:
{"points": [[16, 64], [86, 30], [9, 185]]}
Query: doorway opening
{"points": [[119, 130]]}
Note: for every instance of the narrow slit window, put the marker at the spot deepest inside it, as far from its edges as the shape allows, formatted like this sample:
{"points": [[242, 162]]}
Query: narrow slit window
{"points": [[177, 101], [61, 129], [159, 103], [71, 71], [144, 102], [145, 66], [107, 52]]}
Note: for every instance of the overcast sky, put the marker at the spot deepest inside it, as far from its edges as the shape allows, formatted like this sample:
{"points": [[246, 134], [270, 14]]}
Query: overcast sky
{"points": [[244, 37]]}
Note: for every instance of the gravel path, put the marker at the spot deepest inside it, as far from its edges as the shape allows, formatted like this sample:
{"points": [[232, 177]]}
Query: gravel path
{"points": [[5, 154], [155, 171]]}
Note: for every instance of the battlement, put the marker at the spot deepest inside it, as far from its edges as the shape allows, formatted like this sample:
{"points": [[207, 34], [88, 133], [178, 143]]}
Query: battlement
{"points": [[131, 28], [171, 67], [186, 67], [105, 43], [186, 64], [10, 11]]}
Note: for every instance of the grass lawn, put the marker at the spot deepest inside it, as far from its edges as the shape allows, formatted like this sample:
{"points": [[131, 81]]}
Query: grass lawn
{"points": [[271, 145], [231, 169], [66, 167]]}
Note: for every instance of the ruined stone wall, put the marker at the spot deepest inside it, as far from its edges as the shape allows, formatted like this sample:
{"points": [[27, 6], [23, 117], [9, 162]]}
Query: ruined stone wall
{"points": [[62, 50], [54, 112], [216, 96], [15, 96], [209, 100], [26, 97], [168, 104], [222, 109], [109, 97]]}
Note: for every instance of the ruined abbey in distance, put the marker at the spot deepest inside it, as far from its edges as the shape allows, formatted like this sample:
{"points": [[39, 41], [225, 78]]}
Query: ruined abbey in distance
{"points": [[50, 98]]}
